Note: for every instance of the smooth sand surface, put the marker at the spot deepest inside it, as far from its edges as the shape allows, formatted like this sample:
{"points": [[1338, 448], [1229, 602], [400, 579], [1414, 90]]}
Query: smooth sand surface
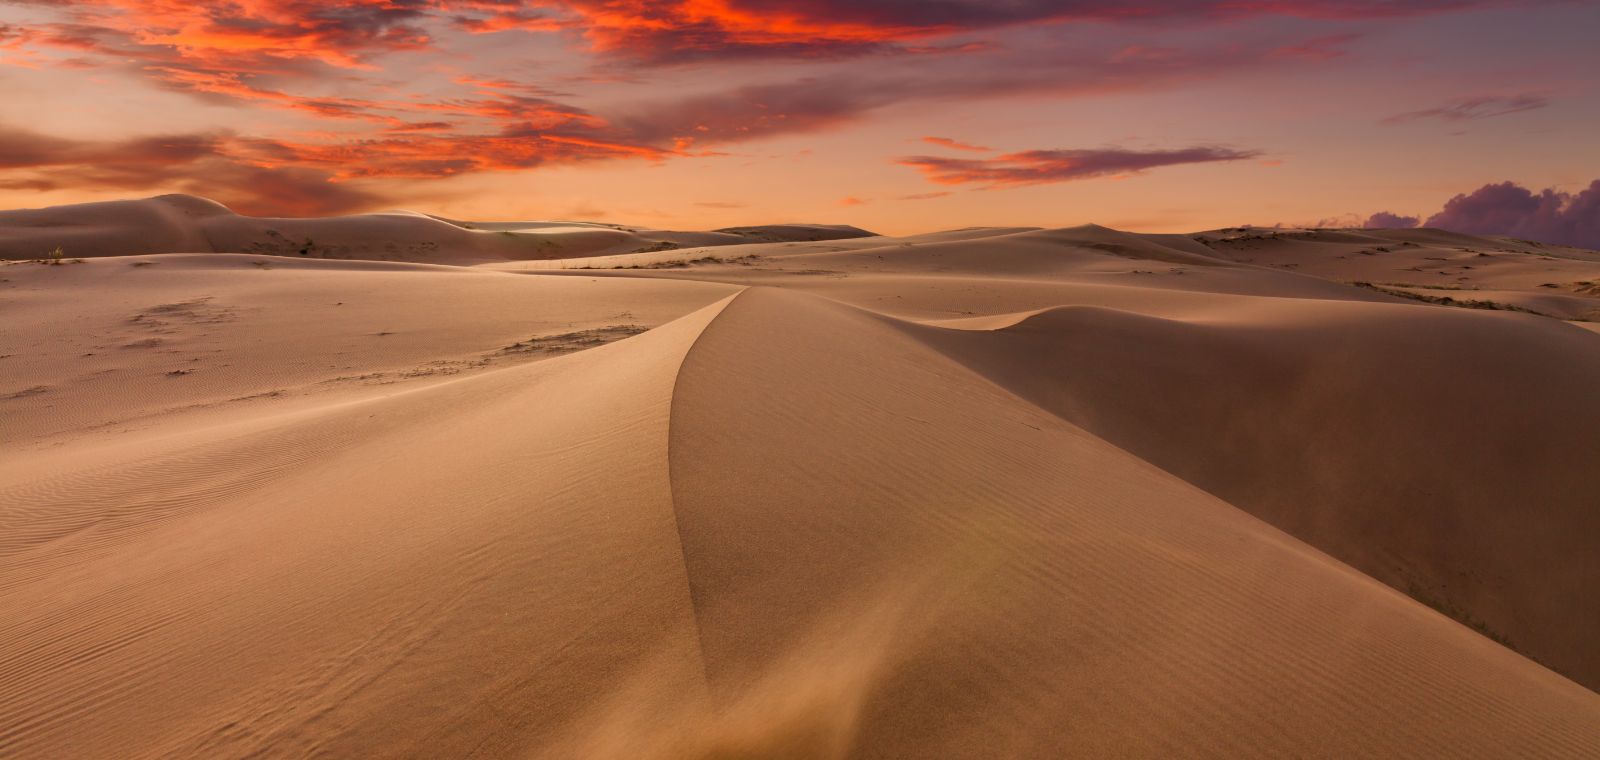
{"points": [[802, 493]]}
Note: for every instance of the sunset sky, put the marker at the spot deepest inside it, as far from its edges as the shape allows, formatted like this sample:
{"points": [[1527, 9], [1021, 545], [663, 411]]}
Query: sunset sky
{"points": [[895, 115]]}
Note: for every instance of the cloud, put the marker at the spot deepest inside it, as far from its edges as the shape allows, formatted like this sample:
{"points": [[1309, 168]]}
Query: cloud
{"points": [[1505, 208], [268, 176], [323, 59], [813, 104], [343, 33], [192, 163], [1318, 48], [853, 201], [669, 31], [424, 156], [924, 196], [1549, 216], [1473, 108], [1387, 220], [945, 142], [1047, 166]]}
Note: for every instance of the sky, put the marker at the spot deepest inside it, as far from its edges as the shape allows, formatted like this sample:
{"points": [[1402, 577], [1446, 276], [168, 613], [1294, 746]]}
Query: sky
{"points": [[898, 116]]}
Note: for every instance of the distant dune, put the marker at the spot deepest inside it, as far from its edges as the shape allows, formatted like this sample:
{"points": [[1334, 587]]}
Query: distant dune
{"points": [[399, 486], [188, 224]]}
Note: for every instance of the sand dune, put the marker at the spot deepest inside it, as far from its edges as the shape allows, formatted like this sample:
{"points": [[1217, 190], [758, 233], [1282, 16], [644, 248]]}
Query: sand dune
{"points": [[984, 493], [188, 224]]}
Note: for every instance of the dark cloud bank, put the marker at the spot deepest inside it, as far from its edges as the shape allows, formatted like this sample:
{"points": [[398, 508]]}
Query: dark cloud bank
{"points": [[1506, 208]]}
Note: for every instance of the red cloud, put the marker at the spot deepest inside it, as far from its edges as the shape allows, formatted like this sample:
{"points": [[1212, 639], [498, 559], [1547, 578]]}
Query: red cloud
{"points": [[337, 32], [427, 155], [261, 35], [273, 177], [267, 53], [675, 30], [1044, 166]]}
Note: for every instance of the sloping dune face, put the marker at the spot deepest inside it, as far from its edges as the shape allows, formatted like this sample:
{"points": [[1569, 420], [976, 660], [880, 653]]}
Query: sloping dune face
{"points": [[1443, 451], [441, 572], [987, 493]]}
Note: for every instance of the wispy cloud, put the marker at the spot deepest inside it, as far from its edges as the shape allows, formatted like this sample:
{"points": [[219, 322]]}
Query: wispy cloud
{"points": [[675, 31], [945, 142], [202, 164], [1047, 166], [1473, 108]]}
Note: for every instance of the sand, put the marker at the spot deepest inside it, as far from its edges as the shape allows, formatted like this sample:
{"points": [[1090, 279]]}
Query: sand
{"points": [[792, 491]]}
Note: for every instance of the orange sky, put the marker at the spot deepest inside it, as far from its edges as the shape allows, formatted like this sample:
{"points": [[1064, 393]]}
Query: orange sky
{"points": [[898, 116]]}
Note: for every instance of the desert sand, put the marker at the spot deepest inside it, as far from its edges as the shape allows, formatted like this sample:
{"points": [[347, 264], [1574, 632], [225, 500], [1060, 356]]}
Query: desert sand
{"points": [[395, 485]]}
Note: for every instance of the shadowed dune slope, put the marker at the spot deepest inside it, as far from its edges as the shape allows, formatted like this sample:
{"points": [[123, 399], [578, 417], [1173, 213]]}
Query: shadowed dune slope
{"points": [[1449, 453]]}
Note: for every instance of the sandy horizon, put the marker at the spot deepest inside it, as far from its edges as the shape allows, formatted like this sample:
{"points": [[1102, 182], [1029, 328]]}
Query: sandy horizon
{"points": [[396, 485]]}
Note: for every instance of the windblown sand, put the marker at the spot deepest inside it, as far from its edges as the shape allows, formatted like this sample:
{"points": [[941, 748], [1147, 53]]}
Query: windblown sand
{"points": [[400, 486]]}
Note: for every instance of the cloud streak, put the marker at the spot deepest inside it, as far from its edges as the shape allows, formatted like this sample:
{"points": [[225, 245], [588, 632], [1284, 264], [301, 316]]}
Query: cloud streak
{"points": [[676, 31], [1035, 167], [274, 177], [201, 164], [1473, 108], [945, 142]]}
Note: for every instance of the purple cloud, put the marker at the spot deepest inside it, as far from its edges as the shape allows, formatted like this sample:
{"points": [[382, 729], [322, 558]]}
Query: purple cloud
{"points": [[1550, 216], [1387, 220], [1472, 109]]}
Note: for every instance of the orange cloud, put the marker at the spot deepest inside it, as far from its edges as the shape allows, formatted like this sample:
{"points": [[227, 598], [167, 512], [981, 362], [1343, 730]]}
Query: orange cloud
{"points": [[945, 142], [677, 30], [198, 163], [1047, 166], [290, 54]]}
